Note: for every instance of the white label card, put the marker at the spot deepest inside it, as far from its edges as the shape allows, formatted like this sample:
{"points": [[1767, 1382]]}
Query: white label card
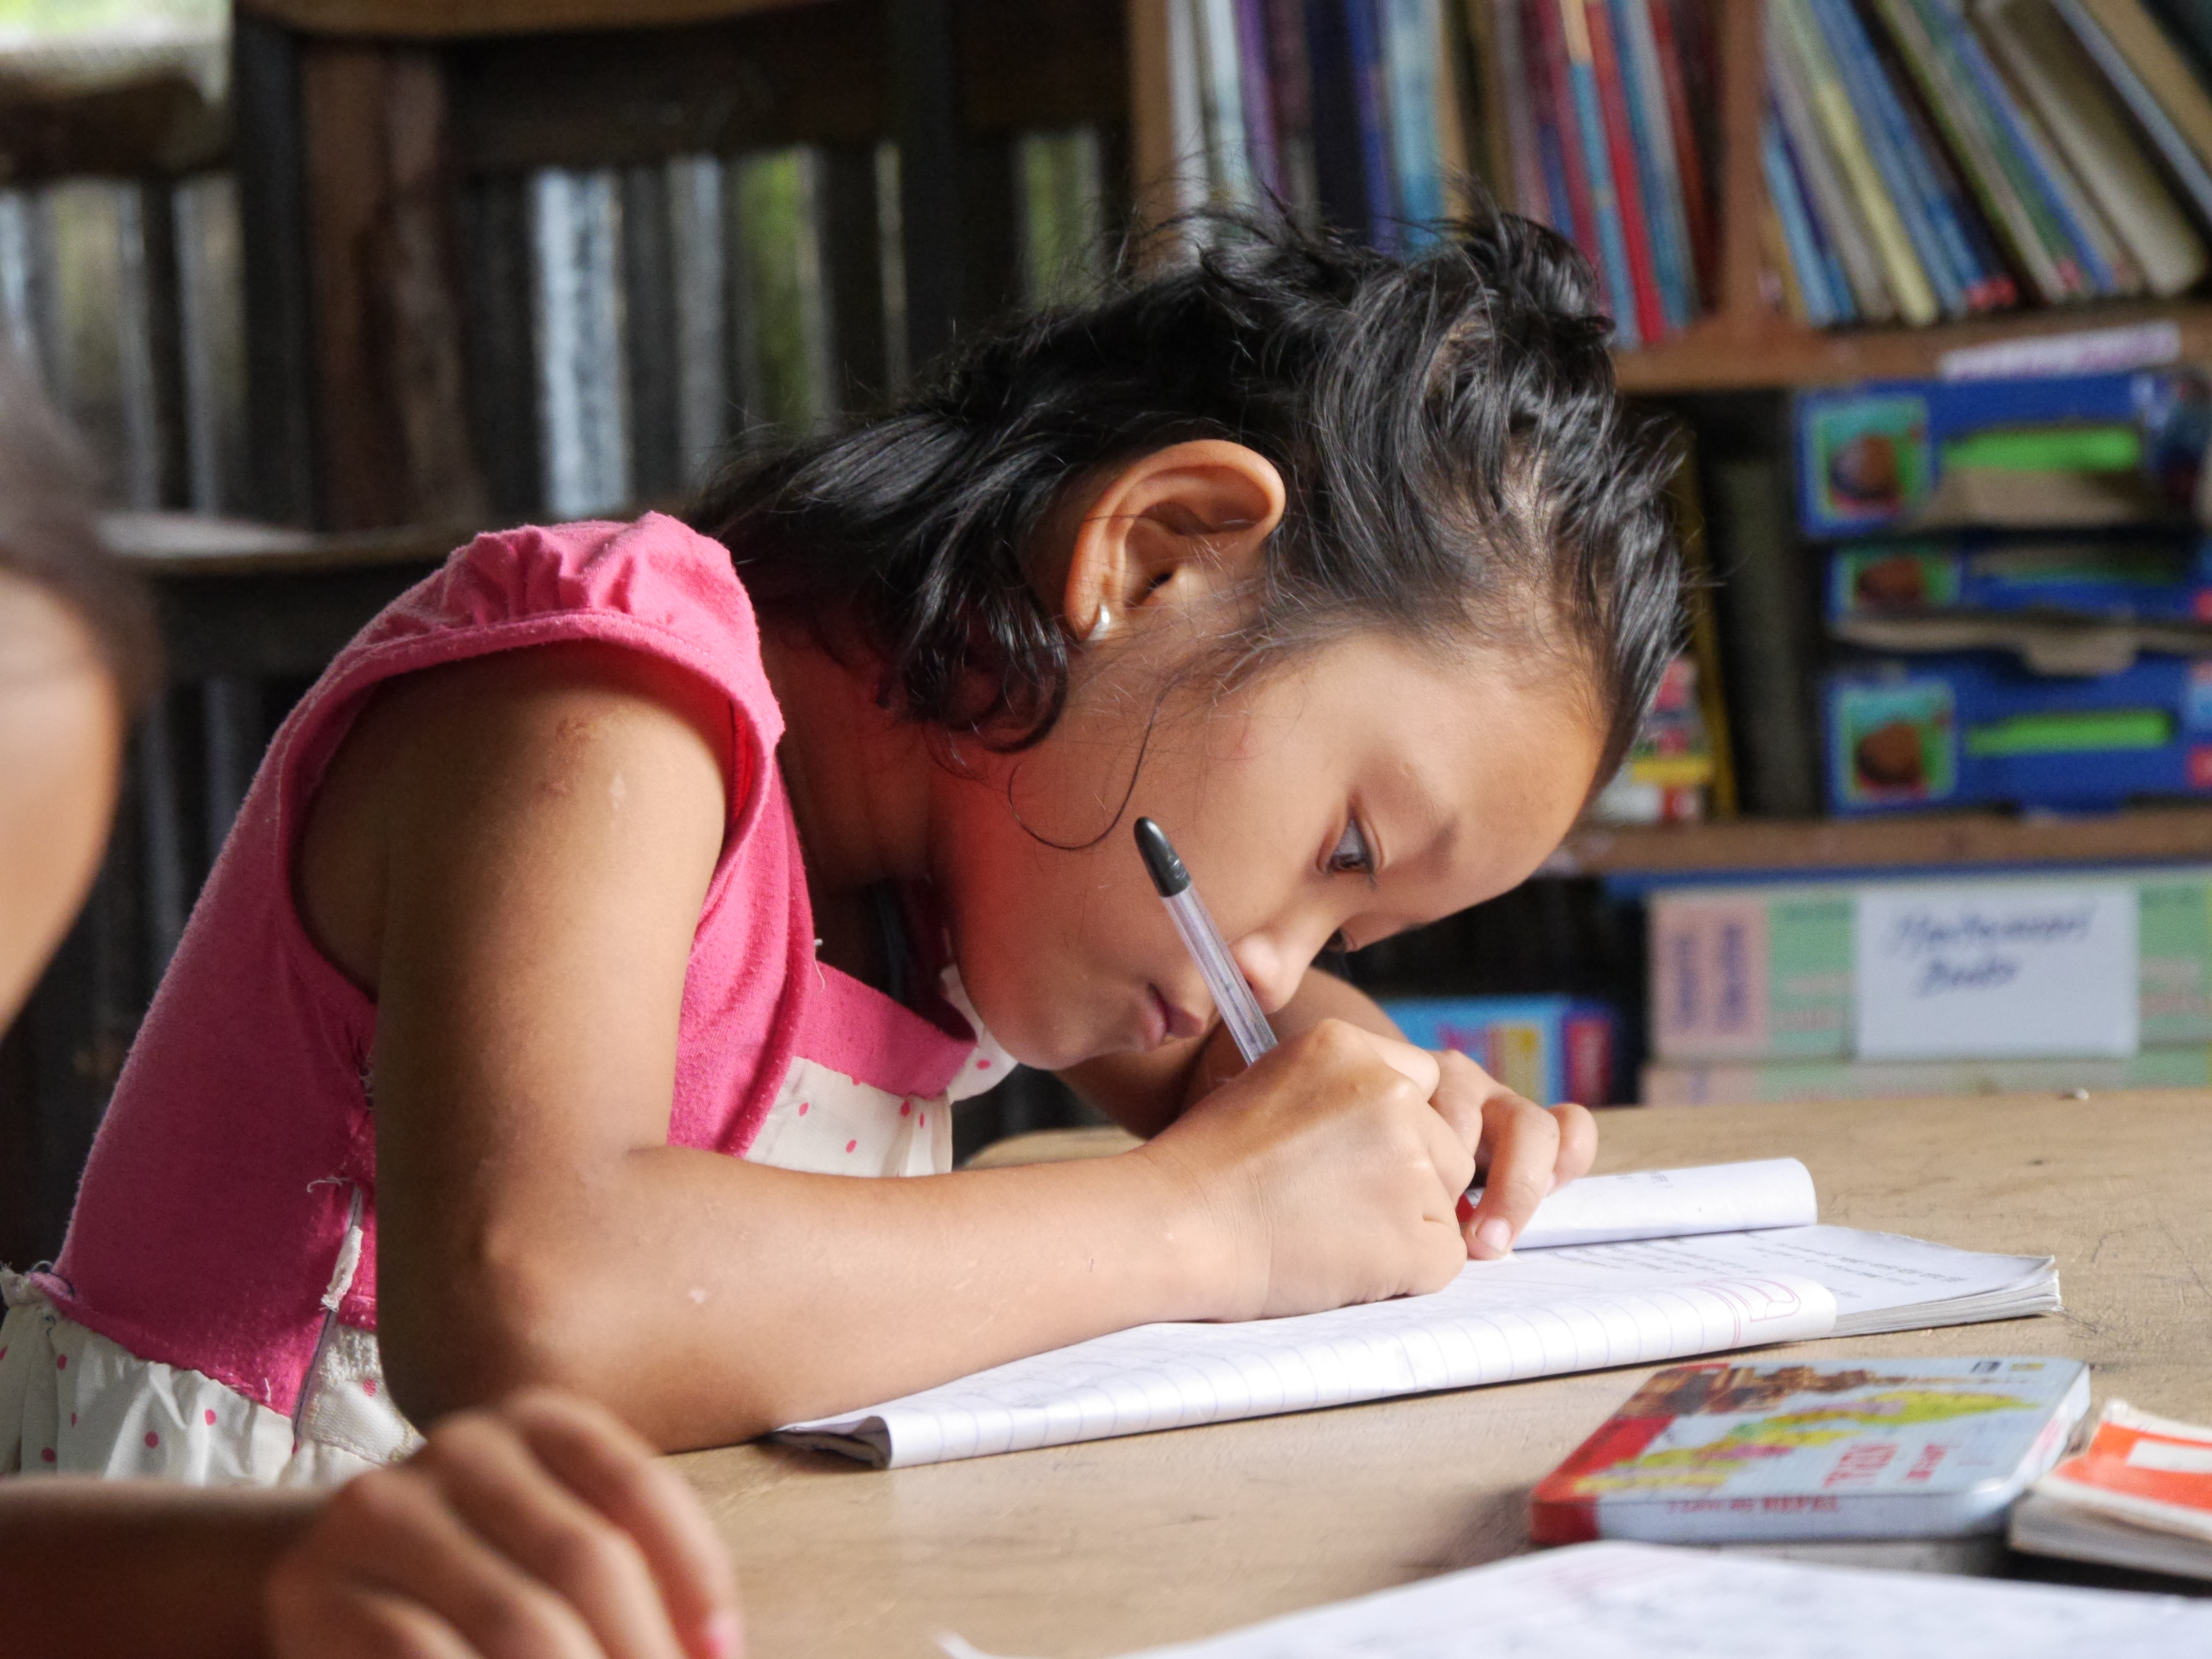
{"points": [[1994, 970]]}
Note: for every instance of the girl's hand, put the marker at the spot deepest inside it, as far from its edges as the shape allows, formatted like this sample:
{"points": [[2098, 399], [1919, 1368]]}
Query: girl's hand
{"points": [[1325, 1175], [540, 1528], [1524, 1151]]}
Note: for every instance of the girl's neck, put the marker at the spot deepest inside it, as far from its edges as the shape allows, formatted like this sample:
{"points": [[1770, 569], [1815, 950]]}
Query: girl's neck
{"points": [[858, 779]]}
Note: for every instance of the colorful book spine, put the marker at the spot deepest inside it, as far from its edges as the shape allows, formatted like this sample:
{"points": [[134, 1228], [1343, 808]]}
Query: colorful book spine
{"points": [[1513, 91], [1255, 84], [1371, 91], [1339, 166], [1620, 139], [1570, 178], [1657, 161], [2036, 173], [1991, 284], [1835, 209], [1410, 34], [2174, 146], [1229, 165], [1903, 171], [1908, 278], [1290, 77], [1588, 115], [1689, 154], [1972, 130], [1806, 260]]}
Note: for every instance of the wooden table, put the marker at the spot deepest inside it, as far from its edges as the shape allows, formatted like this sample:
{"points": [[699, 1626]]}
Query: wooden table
{"points": [[1103, 1548]]}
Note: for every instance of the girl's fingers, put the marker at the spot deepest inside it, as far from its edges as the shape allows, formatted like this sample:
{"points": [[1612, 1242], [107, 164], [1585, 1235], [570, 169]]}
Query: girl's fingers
{"points": [[493, 1479], [609, 1466], [1461, 1087], [1577, 1144], [353, 1621], [1524, 1140], [391, 1531]]}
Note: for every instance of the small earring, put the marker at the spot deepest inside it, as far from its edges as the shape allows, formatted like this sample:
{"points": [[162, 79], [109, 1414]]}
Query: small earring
{"points": [[1101, 626]]}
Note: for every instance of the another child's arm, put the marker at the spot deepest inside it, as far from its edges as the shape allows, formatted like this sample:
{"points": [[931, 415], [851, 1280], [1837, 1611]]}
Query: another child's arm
{"points": [[1522, 1150], [548, 826], [540, 1527]]}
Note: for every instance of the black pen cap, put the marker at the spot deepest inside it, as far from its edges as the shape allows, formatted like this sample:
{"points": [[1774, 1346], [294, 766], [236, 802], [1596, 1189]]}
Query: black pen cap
{"points": [[1168, 874]]}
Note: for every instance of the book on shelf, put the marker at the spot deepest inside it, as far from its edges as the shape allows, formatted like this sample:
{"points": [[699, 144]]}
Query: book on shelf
{"points": [[2091, 129]]}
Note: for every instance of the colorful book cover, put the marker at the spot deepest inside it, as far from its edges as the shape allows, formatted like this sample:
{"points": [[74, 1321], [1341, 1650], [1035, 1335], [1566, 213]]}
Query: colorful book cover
{"points": [[1587, 113], [1723, 1451], [2139, 1495], [1548, 1048], [1658, 169], [1620, 139]]}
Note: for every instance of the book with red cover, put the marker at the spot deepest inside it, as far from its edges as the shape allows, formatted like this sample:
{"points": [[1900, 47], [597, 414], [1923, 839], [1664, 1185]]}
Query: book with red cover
{"points": [[2139, 1495], [1628, 189], [1727, 1451]]}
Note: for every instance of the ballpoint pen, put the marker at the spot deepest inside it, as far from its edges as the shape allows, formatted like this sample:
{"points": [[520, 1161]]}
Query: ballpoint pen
{"points": [[1225, 980]]}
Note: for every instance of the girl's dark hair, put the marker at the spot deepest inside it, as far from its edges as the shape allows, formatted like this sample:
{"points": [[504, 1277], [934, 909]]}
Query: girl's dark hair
{"points": [[49, 536], [1459, 465]]}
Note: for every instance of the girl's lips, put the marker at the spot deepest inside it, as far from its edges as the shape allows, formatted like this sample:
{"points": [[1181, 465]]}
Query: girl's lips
{"points": [[1165, 1020]]}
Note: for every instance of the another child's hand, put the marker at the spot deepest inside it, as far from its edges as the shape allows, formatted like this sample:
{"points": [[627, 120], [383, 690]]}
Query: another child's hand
{"points": [[540, 1528], [1325, 1175], [1524, 1150]]}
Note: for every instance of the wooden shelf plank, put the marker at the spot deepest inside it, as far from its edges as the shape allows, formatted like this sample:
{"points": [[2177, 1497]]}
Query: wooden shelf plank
{"points": [[1724, 354], [2177, 833], [454, 20]]}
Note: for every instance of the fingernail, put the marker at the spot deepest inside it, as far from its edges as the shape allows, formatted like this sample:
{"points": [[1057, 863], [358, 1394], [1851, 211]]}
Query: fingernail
{"points": [[1496, 1234], [726, 1636]]}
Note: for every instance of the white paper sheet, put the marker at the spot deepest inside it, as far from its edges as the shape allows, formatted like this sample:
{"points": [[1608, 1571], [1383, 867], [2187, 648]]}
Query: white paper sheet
{"points": [[1634, 1601], [1540, 1314], [1713, 1198]]}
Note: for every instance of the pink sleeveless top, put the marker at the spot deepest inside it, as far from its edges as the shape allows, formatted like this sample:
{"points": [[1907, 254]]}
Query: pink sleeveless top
{"points": [[214, 1201]]}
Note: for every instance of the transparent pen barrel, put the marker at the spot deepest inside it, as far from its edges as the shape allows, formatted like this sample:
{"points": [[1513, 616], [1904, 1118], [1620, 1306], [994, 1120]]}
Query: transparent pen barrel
{"points": [[1232, 992]]}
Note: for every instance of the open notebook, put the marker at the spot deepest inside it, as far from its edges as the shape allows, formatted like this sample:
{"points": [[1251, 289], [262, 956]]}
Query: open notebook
{"points": [[1614, 1270], [1627, 1601]]}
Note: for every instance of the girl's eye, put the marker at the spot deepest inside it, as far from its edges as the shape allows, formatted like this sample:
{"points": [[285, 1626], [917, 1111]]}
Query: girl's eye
{"points": [[1351, 855]]}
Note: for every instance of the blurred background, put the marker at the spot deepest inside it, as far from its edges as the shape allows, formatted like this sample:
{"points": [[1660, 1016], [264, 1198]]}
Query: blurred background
{"points": [[331, 284]]}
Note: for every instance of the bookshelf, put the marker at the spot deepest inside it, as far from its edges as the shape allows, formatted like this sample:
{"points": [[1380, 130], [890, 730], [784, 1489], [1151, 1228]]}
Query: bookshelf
{"points": [[2141, 835]]}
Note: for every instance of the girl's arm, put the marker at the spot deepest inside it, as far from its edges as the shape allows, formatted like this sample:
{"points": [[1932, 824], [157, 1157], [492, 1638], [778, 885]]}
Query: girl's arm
{"points": [[541, 828]]}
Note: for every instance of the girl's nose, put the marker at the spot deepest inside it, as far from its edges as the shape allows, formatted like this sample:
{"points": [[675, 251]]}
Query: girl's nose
{"points": [[1274, 966]]}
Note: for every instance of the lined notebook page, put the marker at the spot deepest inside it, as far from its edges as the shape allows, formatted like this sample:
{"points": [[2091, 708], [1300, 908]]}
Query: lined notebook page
{"points": [[1709, 1198], [1626, 1601], [1537, 1314]]}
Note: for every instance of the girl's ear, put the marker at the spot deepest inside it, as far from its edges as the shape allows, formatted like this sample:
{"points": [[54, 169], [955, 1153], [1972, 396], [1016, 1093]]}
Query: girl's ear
{"points": [[1176, 527]]}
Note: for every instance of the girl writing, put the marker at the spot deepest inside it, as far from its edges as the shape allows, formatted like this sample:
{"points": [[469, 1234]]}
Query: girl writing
{"points": [[625, 889]]}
